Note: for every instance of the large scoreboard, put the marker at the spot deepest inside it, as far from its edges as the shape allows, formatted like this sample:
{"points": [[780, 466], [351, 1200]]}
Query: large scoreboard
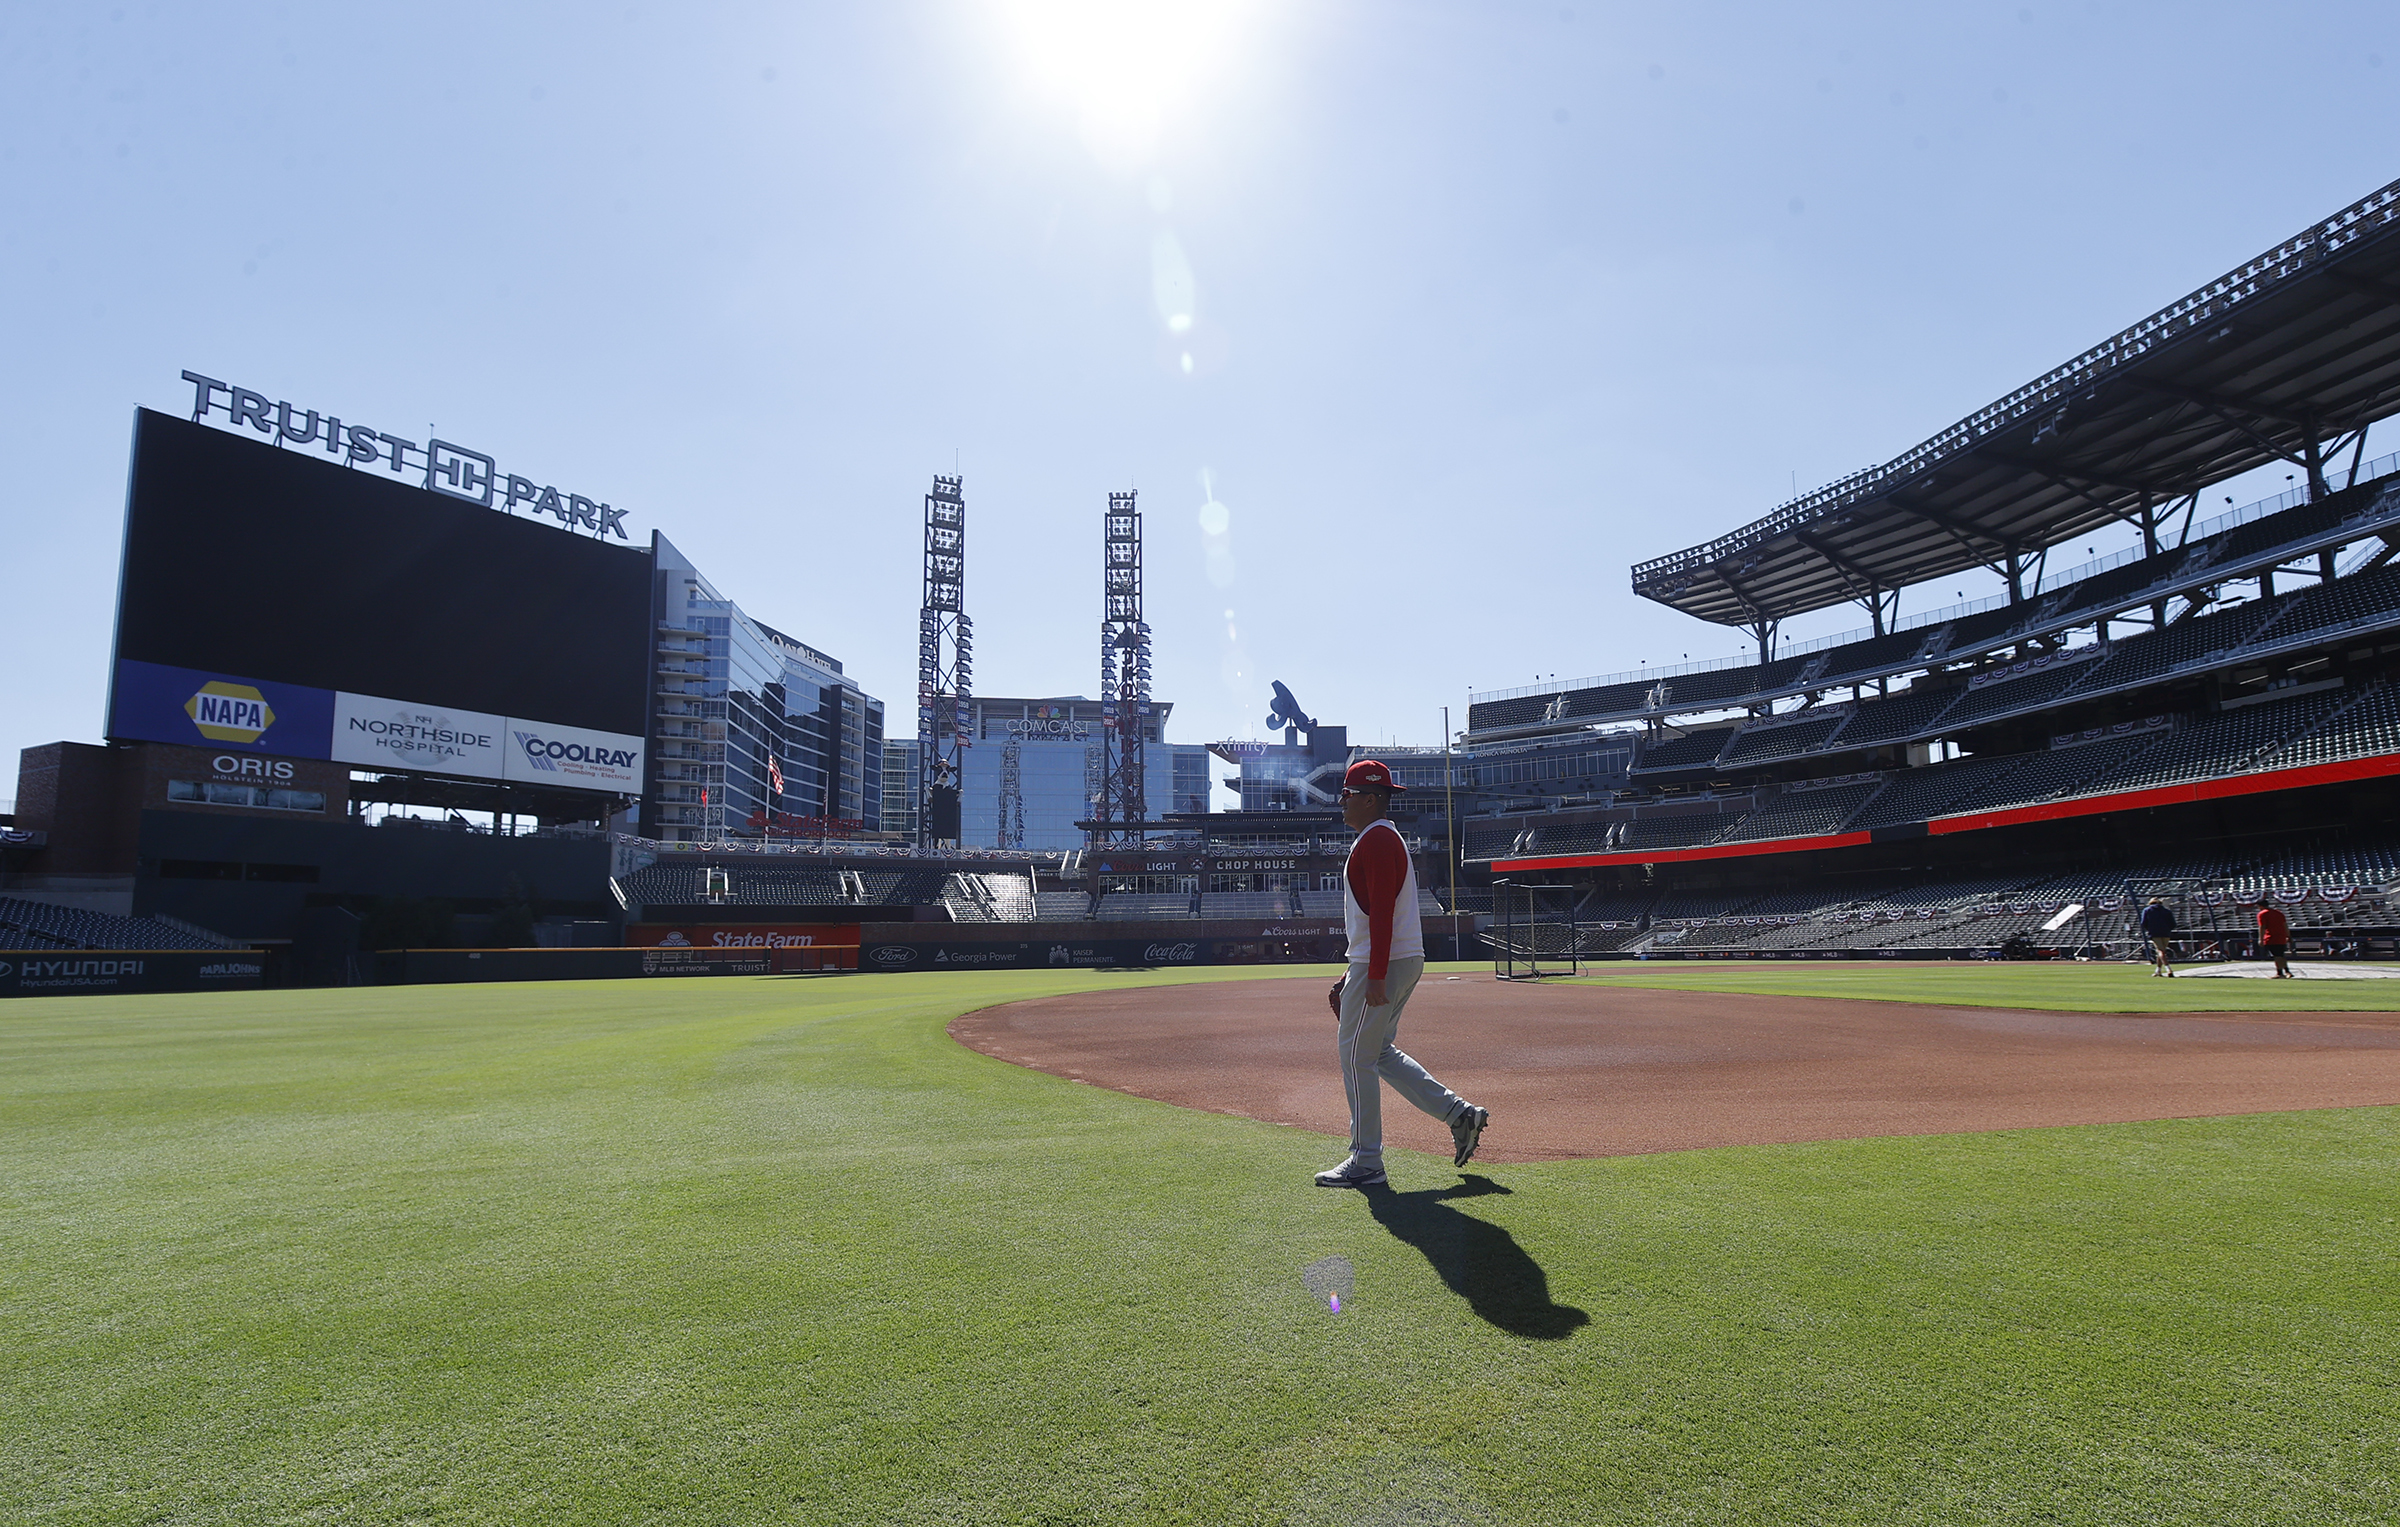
{"points": [[278, 603]]}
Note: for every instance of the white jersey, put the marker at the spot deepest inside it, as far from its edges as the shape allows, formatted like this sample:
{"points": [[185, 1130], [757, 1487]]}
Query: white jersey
{"points": [[1408, 928]]}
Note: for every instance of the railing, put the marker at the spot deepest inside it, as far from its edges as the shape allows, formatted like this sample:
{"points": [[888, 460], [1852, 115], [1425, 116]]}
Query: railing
{"points": [[2207, 305]]}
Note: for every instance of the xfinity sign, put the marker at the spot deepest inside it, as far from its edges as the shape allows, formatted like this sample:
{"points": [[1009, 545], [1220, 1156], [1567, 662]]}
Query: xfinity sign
{"points": [[449, 469]]}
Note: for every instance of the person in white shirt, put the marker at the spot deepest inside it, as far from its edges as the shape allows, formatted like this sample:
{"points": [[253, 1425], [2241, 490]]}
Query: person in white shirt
{"points": [[1387, 955]]}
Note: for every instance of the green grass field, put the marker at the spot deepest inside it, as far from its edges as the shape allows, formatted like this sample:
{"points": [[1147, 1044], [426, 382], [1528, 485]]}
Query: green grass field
{"points": [[2110, 988], [778, 1250]]}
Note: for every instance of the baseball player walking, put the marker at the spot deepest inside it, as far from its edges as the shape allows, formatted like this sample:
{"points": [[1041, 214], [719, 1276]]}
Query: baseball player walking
{"points": [[2158, 926], [1387, 956], [2275, 936]]}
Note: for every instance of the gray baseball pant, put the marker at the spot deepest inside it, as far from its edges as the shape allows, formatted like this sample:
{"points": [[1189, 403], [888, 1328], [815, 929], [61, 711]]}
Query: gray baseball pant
{"points": [[1369, 1058]]}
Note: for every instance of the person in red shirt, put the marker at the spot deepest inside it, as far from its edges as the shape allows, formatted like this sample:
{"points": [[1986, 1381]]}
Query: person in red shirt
{"points": [[1387, 955], [2275, 936]]}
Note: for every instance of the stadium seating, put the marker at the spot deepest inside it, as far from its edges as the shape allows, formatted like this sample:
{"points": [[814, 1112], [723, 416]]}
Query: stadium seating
{"points": [[1570, 838], [2059, 772], [2374, 864], [2289, 525], [1782, 740], [2186, 641], [1678, 905], [2371, 596], [1519, 710], [2220, 745], [1607, 699], [1493, 842], [2368, 725], [2024, 692], [1675, 832], [1804, 813], [1973, 634], [1127, 906], [1691, 751], [1246, 904], [1061, 906], [1694, 691], [39, 925], [1921, 794], [1902, 716], [907, 888], [1872, 657]]}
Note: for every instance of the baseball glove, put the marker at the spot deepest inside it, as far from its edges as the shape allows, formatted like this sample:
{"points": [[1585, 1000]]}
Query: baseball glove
{"points": [[1333, 998]]}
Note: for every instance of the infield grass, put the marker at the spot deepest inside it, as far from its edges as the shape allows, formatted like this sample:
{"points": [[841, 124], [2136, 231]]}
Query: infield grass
{"points": [[2060, 985], [778, 1250]]}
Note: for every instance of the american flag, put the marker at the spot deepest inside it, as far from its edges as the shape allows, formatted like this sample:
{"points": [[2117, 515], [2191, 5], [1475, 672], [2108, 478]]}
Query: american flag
{"points": [[774, 774]]}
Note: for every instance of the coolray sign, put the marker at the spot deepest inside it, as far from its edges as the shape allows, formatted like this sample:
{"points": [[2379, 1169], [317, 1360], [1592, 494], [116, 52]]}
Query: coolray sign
{"points": [[449, 469], [156, 703], [569, 755]]}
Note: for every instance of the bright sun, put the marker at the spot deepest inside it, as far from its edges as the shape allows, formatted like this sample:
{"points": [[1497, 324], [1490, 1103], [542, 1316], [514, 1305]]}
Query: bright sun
{"points": [[1124, 63]]}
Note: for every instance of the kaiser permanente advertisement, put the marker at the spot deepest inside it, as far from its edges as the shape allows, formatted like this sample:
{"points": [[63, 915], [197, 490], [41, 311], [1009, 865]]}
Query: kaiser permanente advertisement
{"points": [[155, 703]]}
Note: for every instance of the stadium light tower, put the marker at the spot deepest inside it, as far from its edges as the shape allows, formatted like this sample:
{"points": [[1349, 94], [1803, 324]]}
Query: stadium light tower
{"points": [[1124, 672], [945, 664]]}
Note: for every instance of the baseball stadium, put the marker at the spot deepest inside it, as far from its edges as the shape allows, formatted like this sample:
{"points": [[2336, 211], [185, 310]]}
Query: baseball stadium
{"points": [[433, 1093]]}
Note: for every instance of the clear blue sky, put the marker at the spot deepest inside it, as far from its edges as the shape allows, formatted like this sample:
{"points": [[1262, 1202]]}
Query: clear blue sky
{"points": [[1484, 301]]}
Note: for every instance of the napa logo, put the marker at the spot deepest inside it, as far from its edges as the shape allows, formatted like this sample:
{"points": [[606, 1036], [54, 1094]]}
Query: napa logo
{"points": [[229, 712]]}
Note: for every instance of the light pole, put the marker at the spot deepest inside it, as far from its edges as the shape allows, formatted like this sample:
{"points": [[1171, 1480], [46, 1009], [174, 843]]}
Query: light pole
{"points": [[1450, 832]]}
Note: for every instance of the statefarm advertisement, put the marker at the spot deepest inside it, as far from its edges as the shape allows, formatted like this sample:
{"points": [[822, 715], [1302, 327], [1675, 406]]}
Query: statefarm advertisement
{"points": [[742, 935]]}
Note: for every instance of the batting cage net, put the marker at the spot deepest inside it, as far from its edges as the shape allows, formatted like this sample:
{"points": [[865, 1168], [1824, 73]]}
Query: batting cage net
{"points": [[1533, 931]]}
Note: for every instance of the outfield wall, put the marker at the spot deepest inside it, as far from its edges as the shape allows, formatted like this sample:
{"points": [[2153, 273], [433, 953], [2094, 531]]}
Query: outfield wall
{"points": [[88, 972]]}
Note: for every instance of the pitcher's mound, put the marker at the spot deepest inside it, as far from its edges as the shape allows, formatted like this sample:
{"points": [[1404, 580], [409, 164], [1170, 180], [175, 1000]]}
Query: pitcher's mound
{"points": [[1606, 1071]]}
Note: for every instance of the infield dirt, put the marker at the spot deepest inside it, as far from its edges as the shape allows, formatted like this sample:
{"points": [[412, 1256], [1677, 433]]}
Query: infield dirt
{"points": [[1578, 1071]]}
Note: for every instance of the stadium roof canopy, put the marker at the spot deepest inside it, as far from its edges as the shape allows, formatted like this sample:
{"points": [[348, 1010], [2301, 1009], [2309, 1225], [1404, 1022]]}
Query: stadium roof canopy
{"points": [[2277, 360]]}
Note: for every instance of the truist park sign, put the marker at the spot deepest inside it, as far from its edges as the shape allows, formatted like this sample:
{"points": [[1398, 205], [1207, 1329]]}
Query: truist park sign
{"points": [[450, 469]]}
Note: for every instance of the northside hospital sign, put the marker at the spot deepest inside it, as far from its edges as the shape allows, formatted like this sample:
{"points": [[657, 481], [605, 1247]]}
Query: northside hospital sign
{"points": [[449, 469]]}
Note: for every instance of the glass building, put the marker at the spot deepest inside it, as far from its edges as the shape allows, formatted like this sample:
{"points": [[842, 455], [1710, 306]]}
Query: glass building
{"points": [[1033, 770], [903, 785], [735, 703]]}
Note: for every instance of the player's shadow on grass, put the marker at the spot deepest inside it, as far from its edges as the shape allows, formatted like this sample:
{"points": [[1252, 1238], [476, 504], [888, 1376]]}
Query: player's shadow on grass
{"points": [[1480, 1261]]}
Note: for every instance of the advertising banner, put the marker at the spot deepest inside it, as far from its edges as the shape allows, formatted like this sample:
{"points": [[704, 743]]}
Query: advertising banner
{"points": [[152, 702], [392, 734], [73, 972], [570, 756], [156, 703], [740, 935], [877, 953]]}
